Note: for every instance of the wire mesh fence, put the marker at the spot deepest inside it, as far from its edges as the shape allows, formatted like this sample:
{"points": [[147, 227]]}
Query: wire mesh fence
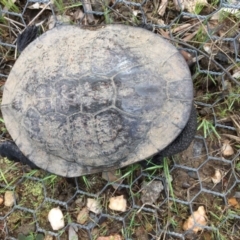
{"points": [[160, 199]]}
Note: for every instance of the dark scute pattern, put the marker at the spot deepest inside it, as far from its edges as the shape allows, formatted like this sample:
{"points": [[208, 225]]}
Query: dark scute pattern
{"points": [[31, 123], [114, 132]]}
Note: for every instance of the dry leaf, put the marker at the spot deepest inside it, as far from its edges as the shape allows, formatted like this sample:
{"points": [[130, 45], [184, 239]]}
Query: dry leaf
{"points": [[60, 18], [48, 237], [198, 217], [78, 14], [114, 177], [227, 149], [111, 237], [94, 206], [217, 176], [162, 7], [82, 216], [39, 6], [191, 5], [118, 203], [236, 75], [233, 203], [207, 48], [72, 233]]}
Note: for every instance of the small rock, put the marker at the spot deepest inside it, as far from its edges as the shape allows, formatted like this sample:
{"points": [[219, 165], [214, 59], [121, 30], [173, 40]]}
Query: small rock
{"points": [[197, 148], [48, 237], [55, 217], [217, 176], [94, 206], [79, 202], [237, 195], [114, 177], [112, 237], [227, 149], [141, 233], [151, 191], [9, 198], [83, 215], [118, 203], [192, 174], [197, 218]]}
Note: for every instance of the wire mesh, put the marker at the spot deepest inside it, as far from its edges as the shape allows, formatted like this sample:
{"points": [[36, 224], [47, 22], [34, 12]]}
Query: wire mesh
{"points": [[214, 56]]}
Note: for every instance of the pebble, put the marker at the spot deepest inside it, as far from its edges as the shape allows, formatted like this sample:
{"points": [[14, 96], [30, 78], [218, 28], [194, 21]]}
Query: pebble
{"points": [[94, 206], [9, 198], [151, 191], [118, 203], [56, 219], [83, 215]]}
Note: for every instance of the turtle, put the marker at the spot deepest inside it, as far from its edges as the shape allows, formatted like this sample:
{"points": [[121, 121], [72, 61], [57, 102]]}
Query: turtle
{"points": [[81, 101]]}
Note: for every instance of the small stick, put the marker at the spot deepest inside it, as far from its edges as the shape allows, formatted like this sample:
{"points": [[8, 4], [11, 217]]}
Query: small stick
{"points": [[162, 7], [88, 8]]}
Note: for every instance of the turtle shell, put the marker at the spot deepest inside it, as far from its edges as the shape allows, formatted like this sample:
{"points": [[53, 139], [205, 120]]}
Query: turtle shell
{"points": [[81, 101]]}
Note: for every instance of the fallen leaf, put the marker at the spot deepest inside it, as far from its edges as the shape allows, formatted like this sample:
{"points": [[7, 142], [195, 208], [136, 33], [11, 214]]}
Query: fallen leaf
{"points": [[61, 18], [234, 203], [191, 5], [94, 206], [113, 177], [207, 48], [236, 75], [141, 233], [72, 233], [217, 176], [78, 14], [82, 216], [118, 203], [39, 6], [162, 7], [227, 149], [198, 217]]}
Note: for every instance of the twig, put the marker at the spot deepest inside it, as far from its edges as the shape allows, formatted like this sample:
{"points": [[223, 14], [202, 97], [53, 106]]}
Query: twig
{"points": [[162, 7], [88, 8], [38, 14]]}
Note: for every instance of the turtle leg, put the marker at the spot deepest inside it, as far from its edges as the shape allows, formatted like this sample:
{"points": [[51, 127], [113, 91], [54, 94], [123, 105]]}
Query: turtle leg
{"points": [[26, 37], [12, 152], [181, 143]]}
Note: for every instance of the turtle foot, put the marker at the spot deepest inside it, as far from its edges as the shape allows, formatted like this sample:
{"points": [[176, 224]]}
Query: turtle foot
{"points": [[11, 151]]}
